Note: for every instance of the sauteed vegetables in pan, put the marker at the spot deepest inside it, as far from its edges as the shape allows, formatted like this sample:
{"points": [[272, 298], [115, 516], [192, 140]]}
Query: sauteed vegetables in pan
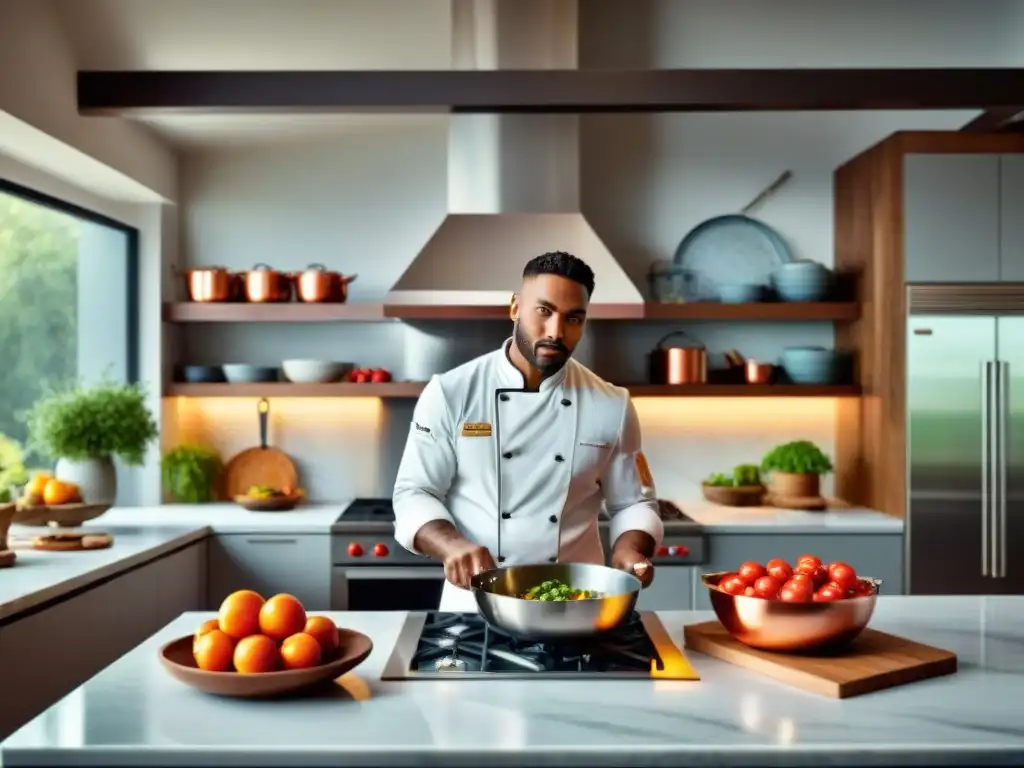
{"points": [[554, 591]]}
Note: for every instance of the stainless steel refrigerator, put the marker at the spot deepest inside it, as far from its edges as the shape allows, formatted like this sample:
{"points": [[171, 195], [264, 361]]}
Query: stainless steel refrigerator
{"points": [[965, 439]]}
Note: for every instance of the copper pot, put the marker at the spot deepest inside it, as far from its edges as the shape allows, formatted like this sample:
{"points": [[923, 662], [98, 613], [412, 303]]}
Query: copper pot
{"points": [[265, 285], [210, 284], [316, 284], [679, 365], [758, 373]]}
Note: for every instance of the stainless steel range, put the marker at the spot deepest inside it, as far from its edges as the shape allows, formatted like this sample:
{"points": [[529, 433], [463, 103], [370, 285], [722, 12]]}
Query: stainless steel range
{"points": [[372, 572], [436, 645]]}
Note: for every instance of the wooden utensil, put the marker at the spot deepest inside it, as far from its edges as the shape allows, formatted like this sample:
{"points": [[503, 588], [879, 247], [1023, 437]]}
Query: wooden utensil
{"points": [[261, 465], [872, 662], [271, 504], [66, 542], [7, 513], [59, 515]]}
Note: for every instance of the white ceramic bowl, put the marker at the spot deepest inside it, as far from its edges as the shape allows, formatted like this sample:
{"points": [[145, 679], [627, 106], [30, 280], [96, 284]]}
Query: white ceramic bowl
{"points": [[315, 371]]}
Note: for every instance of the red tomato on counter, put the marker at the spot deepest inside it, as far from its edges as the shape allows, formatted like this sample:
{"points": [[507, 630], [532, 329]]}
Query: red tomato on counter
{"points": [[751, 572]]}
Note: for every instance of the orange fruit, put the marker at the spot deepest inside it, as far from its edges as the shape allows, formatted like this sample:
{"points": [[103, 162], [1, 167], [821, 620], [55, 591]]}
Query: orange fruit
{"points": [[214, 651], [300, 651], [239, 614], [57, 492], [324, 631], [255, 654], [282, 616], [204, 628], [37, 484]]}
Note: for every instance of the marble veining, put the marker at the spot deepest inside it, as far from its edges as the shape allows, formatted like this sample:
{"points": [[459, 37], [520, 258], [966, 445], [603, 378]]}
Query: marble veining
{"points": [[134, 713]]}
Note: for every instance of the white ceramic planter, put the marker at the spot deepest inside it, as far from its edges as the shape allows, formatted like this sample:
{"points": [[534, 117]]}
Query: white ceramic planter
{"points": [[96, 478]]}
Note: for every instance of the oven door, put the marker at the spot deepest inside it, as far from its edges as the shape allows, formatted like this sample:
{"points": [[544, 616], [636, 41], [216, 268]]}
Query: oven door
{"points": [[372, 588]]}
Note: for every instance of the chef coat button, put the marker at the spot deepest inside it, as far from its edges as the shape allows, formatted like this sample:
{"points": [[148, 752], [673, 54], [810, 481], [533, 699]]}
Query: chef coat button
{"points": [[566, 402], [507, 455], [553, 518], [503, 398], [501, 558], [506, 515], [558, 457], [552, 559]]}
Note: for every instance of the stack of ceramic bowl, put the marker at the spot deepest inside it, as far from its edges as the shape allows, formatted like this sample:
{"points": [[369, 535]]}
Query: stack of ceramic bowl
{"points": [[802, 281]]}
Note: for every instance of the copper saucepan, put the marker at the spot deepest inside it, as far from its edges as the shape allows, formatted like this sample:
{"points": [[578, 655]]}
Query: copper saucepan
{"points": [[679, 364], [316, 284], [213, 284], [265, 285]]}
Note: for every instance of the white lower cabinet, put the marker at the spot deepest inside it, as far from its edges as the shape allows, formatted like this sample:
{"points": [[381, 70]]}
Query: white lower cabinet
{"points": [[269, 563]]}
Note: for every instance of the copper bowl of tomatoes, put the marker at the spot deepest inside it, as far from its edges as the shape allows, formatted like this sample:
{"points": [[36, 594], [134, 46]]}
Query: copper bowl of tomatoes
{"points": [[793, 608]]}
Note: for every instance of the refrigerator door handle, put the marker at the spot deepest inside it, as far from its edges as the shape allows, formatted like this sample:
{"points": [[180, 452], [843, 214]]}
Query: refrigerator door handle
{"points": [[986, 468], [1002, 426]]}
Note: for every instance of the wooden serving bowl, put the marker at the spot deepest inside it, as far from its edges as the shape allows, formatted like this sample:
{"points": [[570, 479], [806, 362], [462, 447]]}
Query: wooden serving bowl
{"points": [[734, 495], [269, 504], [176, 657], [59, 515]]}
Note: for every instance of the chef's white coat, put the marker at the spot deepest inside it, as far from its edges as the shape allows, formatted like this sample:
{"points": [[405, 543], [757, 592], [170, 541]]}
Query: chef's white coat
{"points": [[558, 452]]}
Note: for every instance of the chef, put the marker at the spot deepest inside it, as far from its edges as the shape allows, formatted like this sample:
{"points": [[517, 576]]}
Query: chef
{"points": [[510, 455]]}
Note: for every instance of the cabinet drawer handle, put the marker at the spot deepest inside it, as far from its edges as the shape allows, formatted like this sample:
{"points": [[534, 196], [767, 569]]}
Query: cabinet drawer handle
{"points": [[272, 541]]}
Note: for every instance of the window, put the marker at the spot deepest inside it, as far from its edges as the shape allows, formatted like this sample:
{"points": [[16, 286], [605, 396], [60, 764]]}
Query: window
{"points": [[68, 299]]}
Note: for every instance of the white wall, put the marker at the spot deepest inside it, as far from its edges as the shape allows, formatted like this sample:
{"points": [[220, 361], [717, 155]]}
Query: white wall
{"points": [[362, 201]]}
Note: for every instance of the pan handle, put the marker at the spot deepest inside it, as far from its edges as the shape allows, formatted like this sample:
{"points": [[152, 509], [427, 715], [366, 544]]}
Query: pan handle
{"points": [[263, 408]]}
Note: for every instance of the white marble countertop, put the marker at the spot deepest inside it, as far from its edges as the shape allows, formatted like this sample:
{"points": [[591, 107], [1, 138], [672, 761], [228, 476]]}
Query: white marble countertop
{"points": [[227, 518], [715, 519], [38, 577], [133, 713]]}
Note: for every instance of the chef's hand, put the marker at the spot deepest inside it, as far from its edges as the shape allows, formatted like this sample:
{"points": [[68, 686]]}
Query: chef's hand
{"points": [[630, 559], [466, 562]]}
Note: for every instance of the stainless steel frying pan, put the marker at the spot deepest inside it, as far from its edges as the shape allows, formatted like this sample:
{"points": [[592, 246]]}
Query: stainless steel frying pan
{"points": [[497, 594]]}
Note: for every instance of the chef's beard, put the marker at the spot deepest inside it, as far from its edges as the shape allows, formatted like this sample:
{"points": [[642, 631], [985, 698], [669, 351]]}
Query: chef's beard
{"points": [[527, 348]]}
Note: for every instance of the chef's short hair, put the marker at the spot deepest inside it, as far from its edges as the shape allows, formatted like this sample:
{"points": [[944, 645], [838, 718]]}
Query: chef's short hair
{"points": [[564, 265]]}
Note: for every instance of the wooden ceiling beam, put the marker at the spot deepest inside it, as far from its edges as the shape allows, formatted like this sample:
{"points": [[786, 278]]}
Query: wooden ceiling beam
{"points": [[549, 91]]}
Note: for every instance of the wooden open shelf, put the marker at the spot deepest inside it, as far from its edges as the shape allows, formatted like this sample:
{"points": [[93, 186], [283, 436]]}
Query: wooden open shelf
{"points": [[411, 389], [296, 312]]}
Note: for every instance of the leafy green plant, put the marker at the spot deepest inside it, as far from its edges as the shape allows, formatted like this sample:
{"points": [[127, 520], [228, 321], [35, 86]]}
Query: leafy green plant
{"points": [[101, 421], [800, 457], [12, 467], [742, 475], [190, 473]]}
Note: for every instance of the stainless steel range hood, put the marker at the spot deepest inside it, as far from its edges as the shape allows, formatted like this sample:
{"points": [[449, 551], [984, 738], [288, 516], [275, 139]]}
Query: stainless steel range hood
{"points": [[513, 180]]}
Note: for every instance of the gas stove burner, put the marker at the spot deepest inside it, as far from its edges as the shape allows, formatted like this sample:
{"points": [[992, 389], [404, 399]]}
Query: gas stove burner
{"points": [[450, 664], [466, 643]]}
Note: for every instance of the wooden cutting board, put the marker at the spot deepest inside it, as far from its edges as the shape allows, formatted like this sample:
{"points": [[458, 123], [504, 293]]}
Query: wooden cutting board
{"points": [[874, 661]]}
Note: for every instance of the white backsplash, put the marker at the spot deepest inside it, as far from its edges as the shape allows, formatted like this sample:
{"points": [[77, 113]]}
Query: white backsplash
{"points": [[346, 447]]}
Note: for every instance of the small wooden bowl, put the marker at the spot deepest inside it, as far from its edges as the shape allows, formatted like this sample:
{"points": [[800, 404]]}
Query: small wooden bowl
{"points": [[734, 496], [176, 657], [59, 515], [271, 504]]}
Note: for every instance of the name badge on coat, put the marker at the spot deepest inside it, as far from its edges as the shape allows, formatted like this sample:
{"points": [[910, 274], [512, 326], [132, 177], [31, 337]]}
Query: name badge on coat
{"points": [[476, 429]]}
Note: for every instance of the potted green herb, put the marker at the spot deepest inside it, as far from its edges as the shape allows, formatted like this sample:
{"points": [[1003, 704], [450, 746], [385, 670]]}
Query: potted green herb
{"points": [[86, 427], [740, 489], [795, 470], [191, 473]]}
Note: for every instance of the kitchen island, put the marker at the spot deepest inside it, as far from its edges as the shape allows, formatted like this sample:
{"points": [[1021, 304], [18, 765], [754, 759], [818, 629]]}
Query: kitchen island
{"points": [[134, 714]]}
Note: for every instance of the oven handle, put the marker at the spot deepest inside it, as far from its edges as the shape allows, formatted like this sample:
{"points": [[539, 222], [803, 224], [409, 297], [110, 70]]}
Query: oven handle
{"points": [[391, 574]]}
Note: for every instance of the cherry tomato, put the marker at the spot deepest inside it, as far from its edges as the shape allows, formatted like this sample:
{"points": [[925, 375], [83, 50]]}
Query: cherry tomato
{"points": [[828, 593], [802, 577], [779, 569], [751, 572], [799, 585], [791, 594], [815, 561], [843, 575], [861, 589], [749, 592], [820, 576], [767, 587], [733, 585]]}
